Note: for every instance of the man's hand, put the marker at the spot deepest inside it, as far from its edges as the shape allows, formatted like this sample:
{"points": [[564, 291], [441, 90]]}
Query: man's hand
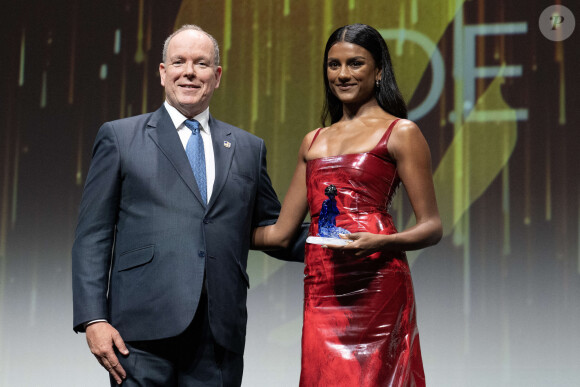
{"points": [[101, 336]]}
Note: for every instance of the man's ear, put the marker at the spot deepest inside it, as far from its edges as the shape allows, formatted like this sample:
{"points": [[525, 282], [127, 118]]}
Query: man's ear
{"points": [[218, 76], [162, 73]]}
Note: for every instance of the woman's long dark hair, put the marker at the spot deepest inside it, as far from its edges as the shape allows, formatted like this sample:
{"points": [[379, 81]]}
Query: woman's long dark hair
{"points": [[387, 94]]}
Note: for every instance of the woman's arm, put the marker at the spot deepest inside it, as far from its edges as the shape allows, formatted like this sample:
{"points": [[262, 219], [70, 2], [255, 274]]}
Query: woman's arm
{"points": [[293, 210], [409, 149]]}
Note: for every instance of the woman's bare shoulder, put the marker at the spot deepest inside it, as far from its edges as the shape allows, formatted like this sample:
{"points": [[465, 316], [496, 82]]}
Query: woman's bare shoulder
{"points": [[309, 139], [406, 135], [310, 135], [405, 126], [406, 130]]}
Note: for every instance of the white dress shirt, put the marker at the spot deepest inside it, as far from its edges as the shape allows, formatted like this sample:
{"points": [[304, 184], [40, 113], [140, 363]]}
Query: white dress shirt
{"points": [[184, 133]]}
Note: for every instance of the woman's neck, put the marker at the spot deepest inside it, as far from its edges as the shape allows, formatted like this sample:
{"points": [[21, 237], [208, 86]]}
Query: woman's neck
{"points": [[352, 111]]}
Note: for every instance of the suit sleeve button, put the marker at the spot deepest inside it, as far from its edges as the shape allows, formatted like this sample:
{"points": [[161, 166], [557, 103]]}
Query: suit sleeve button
{"points": [[201, 253]]}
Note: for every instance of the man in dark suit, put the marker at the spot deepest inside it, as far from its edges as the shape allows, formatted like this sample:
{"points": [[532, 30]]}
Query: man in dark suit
{"points": [[160, 252]]}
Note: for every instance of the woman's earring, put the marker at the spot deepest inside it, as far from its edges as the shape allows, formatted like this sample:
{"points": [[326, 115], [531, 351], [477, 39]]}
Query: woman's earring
{"points": [[377, 83]]}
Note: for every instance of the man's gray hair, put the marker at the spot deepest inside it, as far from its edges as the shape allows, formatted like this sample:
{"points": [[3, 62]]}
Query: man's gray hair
{"points": [[185, 27]]}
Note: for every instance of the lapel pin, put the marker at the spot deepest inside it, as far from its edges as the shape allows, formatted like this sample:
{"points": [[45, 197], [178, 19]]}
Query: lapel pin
{"points": [[227, 144]]}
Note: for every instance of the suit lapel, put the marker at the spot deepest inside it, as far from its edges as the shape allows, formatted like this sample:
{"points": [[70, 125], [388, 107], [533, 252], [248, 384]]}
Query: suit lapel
{"points": [[161, 130], [223, 147]]}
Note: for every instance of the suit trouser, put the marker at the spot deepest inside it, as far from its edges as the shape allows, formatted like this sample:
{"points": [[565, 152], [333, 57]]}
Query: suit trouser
{"points": [[191, 359]]}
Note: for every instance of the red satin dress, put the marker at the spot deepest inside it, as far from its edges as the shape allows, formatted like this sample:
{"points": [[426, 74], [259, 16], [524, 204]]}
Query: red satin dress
{"points": [[359, 327]]}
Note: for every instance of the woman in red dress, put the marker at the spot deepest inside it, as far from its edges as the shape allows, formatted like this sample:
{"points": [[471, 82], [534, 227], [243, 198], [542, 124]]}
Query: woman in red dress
{"points": [[360, 324]]}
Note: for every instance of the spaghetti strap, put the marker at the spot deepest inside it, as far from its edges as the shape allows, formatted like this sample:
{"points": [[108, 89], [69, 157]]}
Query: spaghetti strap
{"points": [[315, 135], [383, 142]]}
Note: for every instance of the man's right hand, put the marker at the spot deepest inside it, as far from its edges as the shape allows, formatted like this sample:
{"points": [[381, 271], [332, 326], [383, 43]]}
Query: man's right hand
{"points": [[101, 336]]}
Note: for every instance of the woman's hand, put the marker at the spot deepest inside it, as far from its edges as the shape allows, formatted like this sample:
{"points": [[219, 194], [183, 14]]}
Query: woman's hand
{"points": [[362, 244]]}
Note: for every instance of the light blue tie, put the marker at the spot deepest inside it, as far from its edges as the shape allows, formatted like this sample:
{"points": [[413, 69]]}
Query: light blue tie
{"points": [[196, 156]]}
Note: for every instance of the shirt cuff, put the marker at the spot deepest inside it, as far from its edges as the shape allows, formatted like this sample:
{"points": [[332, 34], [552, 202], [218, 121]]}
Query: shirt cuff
{"points": [[85, 325]]}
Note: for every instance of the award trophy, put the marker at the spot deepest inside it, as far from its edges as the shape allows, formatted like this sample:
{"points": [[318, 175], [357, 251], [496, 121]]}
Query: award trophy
{"points": [[327, 230]]}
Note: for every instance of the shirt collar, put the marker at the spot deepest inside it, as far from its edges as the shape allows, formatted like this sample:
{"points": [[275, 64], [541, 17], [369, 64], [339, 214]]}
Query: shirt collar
{"points": [[178, 119]]}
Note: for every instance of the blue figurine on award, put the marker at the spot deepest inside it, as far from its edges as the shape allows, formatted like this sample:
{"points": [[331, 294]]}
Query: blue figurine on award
{"points": [[328, 232]]}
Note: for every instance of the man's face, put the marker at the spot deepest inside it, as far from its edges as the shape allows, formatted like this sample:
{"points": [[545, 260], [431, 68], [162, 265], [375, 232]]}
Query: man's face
{"points": [[189, 74]]}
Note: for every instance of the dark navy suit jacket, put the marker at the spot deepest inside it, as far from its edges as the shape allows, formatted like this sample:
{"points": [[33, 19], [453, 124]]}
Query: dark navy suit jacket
{"points": [[145, 239]]}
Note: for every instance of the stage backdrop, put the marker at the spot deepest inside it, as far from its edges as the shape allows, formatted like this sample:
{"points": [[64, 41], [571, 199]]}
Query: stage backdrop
{"points": [[497, 300]]}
